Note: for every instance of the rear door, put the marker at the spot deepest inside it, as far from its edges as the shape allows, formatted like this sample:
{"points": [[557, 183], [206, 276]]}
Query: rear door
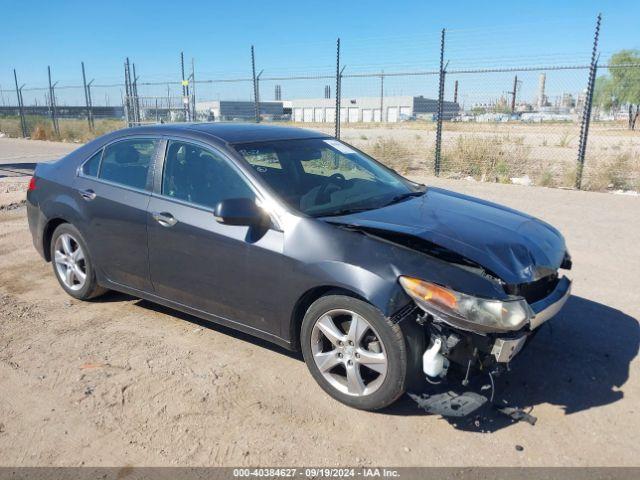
{"points": [[224, 270], [113, 189]]}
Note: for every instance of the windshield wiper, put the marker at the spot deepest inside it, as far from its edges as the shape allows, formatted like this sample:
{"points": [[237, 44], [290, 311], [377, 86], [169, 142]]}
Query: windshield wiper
{"points": [[403, 196], [345, 211]]}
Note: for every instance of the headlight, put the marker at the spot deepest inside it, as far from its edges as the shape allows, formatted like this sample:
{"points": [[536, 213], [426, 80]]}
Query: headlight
{"points": [[466, 311]]}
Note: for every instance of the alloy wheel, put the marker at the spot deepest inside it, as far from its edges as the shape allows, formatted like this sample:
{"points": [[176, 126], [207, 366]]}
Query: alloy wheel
{"points": [[348, 352], [70, 262]]}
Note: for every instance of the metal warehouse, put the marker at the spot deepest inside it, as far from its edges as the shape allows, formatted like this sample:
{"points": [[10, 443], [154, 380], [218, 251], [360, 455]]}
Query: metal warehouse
{"points": [[219, 110], [367, 109]]}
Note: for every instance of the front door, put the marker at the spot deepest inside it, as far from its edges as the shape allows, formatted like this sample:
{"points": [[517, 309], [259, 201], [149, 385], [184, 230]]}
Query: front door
{"points": [[223, 270]]}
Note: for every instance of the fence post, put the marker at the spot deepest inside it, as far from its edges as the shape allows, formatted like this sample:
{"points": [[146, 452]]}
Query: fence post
{"points": [[440, 102], [92, 123], [256, 89], [52, 103], [135, 96], [23, 123], [338, 85], [586, 112], [127, 93], [86, 98]]}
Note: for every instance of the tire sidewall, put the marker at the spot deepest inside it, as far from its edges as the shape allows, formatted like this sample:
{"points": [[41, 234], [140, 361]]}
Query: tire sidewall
{"points": [[391, 336], [90, 284]]}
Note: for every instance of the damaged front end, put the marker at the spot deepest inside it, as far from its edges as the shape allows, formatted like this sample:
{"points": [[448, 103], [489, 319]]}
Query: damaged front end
{"points": [[481, 334], [483, 320]]}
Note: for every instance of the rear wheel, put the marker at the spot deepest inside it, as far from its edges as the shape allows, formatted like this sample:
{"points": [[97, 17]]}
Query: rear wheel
{"points": [[354, 353], [72, 264]]}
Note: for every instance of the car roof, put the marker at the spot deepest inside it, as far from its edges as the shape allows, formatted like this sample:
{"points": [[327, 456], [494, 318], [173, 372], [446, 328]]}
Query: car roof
{"points": [[237, 132]]}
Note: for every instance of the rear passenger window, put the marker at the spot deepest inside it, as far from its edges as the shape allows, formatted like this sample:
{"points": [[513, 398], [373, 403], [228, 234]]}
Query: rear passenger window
{"points": [[91, 166], [127, 162]]}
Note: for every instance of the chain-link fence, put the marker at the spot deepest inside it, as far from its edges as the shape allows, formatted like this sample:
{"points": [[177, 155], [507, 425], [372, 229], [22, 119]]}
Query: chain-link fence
{"points": [[463, 115]]}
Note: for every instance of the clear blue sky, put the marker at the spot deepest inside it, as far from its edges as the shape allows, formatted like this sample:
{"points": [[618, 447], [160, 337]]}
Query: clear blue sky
{"points": [[293, 37]]}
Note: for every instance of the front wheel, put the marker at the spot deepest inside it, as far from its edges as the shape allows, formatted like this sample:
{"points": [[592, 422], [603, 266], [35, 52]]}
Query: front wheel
{"points": [[354, 353]]}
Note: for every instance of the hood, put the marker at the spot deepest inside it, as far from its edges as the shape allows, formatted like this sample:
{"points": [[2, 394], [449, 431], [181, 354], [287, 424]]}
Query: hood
{"points": [[514, 246]]}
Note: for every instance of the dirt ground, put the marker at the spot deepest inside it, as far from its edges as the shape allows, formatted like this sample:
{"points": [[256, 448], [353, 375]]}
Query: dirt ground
{"points": [[119, 381]]}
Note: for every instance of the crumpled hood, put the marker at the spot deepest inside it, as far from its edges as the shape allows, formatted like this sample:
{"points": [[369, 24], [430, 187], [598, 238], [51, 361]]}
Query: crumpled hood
{"points": [[516, 247]]}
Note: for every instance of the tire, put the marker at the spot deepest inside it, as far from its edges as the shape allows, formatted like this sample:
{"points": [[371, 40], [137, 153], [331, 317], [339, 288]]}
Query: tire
{"points": [[70, 259], [328, 362]]}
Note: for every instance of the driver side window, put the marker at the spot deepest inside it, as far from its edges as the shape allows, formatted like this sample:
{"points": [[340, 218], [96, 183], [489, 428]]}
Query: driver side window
{"points": [[200, 176]]}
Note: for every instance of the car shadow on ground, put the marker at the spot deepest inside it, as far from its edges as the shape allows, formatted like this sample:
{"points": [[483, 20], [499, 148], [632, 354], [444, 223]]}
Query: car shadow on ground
{"points": [[211, 326], [579, 360]]}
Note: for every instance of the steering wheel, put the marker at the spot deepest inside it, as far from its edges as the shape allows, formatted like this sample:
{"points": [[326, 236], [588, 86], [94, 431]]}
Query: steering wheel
{"points": [[324, 186]]}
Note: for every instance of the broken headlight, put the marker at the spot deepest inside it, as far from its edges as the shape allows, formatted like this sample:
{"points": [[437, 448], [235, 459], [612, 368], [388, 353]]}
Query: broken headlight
{"points": [[466, 311]]}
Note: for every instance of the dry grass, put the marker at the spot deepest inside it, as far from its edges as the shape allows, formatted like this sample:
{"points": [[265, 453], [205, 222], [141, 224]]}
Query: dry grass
{"points": [[71, 130], [621, 172], [494, 158], [393, 154]]}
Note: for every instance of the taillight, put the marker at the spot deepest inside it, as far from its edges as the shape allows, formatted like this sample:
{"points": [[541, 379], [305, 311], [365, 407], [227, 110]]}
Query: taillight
{"points": [[32, 184]]}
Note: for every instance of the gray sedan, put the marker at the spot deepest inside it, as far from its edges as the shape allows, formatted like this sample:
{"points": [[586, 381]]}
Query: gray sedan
{"points": [[303, 240]]}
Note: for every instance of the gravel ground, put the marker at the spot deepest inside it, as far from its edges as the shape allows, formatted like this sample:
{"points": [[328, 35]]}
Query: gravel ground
{"points": [[120, 381]]}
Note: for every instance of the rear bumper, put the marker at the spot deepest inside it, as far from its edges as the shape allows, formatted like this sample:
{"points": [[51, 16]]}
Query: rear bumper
{"points": [[37, 222]]}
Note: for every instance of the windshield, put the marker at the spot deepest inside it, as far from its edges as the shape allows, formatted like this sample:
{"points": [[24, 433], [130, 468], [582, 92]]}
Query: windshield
{"points": [[323, 176]]}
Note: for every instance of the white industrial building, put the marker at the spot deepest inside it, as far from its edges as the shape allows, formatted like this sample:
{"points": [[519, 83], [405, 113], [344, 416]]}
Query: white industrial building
{"points": [[368, 109], [229, 110]]}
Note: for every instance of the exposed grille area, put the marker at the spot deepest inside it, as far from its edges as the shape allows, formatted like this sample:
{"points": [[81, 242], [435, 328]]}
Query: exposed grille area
{"points": [[534, 291], [405, 311]]}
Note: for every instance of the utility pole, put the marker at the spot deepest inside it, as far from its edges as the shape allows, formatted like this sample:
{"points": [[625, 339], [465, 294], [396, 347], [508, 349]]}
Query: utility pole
{"points": [[193, 91], [514, 93], [381, 96], [455, 92], [185, 89], [168, 100], [586, 114]]}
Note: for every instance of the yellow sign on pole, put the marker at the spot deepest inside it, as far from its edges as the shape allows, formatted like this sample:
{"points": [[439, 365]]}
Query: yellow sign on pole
{"points": [[185, 83]]}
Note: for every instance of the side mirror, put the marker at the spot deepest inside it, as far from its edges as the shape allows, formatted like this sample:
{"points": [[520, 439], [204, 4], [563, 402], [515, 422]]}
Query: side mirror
{"points": [[240, 211]]}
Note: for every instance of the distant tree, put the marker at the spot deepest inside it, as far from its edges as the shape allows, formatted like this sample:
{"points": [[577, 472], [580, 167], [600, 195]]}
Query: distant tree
{"points": [[621, 86], [603, 95]]}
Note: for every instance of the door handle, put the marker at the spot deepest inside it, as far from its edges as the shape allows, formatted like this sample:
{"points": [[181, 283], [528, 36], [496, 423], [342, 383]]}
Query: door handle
{"points": [[88, 194], [165, 219]]}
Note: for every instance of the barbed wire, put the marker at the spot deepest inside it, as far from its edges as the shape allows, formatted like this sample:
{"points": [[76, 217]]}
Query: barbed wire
{"points": [[378, 74]]}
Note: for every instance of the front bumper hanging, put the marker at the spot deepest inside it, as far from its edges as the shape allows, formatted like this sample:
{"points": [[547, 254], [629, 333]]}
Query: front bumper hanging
{"points": [[504, 349]]}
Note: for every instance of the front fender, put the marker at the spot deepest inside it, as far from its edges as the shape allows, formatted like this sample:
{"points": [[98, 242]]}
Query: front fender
{"points": [[382, 292]]}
